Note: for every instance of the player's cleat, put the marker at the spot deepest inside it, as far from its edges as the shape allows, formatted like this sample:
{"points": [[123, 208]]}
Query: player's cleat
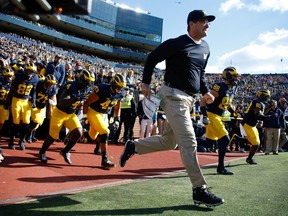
{"points": [[28, 140], [251, 161], [225, 172], [43, 158], [28, 137], [22, 145], [201, 195], [107, 164], [67, 157], [129, 151], [11, 144], [34, 139]]}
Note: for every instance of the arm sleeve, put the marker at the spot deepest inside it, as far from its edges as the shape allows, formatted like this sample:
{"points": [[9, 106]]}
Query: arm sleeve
{"points": [[263, 117], [203, 85], [158, 55]]}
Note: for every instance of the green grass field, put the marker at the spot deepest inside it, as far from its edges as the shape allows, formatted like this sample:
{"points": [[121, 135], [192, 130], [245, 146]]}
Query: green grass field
{"points": [[254, 190]]}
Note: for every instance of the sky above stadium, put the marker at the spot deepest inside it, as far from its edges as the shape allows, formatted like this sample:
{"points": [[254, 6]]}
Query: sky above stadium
{"points": [[251, 35]]}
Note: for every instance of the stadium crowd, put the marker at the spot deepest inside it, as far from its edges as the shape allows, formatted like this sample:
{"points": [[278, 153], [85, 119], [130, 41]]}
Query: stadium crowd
{"points": [[20, 53]]}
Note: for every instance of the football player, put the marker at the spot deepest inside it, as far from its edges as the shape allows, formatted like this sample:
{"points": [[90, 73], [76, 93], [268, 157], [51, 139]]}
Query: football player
{"points": [[45, 91], [253, 113], [71, 99], [224, 93], [97, 106], [20, 92], [5, 85]]}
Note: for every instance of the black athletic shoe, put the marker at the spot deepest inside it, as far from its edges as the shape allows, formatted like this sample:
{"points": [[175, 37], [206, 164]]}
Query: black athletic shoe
{"points": [[28, 140], [43, 158], [11, 144], [251, 161], [66, 157], [129, 151], [34, 139], [202, 195], [225, 172], [107, 164]]}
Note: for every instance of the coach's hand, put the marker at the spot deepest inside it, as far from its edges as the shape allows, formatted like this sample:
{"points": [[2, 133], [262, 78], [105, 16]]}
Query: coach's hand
{"points": [[209, 98]]}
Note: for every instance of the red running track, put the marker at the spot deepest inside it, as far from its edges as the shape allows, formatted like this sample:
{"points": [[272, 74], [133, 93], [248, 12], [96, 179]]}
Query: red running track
{"points": [[24, 178]]}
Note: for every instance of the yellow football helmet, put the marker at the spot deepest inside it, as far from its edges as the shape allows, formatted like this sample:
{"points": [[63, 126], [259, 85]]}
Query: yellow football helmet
{"points": [[263, 95], [231, 75]]}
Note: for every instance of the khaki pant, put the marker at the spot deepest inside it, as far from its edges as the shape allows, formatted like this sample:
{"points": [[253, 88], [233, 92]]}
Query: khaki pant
{"points": [[283, 139], [272, 136], [177, 106]]}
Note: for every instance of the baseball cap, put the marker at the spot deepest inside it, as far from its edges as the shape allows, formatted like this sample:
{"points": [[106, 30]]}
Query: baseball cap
{"points": [[59, 56], [197, 15]]}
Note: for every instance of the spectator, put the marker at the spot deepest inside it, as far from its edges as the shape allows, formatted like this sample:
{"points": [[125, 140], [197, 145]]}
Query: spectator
{"points": [[272, 128], [146, 124], [130, 80], [283, 136], [128, 116], [57, 69]]}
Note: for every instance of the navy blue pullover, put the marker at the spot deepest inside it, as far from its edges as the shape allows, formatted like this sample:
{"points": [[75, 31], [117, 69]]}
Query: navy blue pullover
{"points": [[185, 63]]}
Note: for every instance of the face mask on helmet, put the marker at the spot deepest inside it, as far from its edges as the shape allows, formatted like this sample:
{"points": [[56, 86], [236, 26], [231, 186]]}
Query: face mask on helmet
{"points": [[86, 78], [50, 80], [231, 75], [8, 75], [41, 77], [30, 70], [117, 83], [263, 95]]}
